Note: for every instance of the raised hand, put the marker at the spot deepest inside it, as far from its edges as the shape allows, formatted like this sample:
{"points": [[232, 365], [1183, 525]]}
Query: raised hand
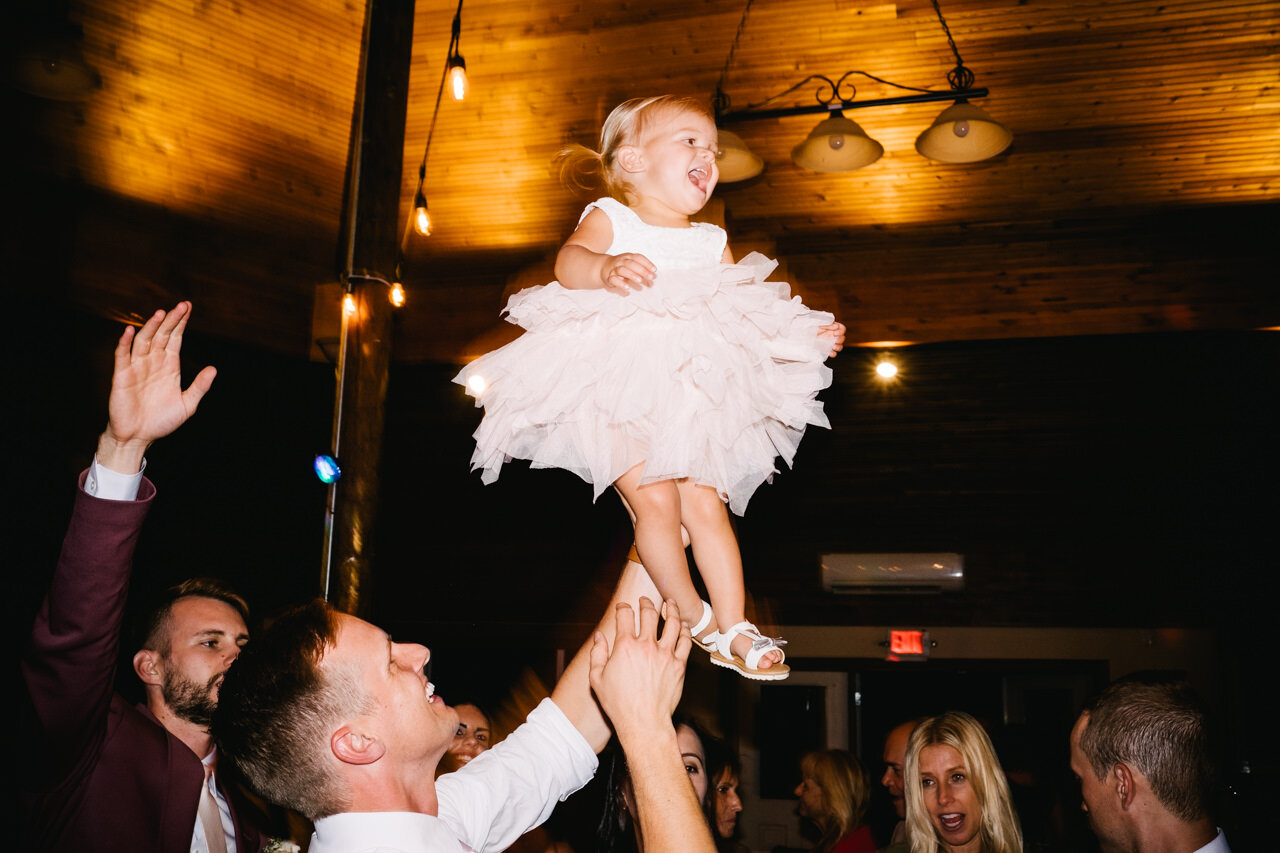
{"points": [[147, 399], [624, 273], [639, 683]]}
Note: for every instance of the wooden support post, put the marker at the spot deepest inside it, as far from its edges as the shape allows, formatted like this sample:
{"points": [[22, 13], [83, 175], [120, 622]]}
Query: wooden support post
{"points": [[368, 254]]}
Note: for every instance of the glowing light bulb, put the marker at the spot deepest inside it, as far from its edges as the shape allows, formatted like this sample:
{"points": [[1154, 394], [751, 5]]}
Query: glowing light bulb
{"points": [[422, 220], [886, 369], [476, 384], [458, 85], [326, 468], [349, 305], [397, 294]]}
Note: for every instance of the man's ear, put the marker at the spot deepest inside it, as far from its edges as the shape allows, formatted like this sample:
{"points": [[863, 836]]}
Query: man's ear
{"points": [[148, 664], [353, 747], [630, 158], [1124, 785]]}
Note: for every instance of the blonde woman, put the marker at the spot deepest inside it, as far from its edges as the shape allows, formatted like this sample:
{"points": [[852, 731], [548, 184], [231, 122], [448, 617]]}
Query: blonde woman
{"points": [[957, 797], [834, 792]]}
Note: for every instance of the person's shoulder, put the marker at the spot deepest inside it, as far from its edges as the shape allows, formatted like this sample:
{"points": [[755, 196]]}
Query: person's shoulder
{"points": [[610, 207]]}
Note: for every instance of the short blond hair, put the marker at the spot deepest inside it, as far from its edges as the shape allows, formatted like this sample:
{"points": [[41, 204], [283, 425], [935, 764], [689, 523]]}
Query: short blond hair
{"points": [[584, 169], [846, 791], [999, 830]]}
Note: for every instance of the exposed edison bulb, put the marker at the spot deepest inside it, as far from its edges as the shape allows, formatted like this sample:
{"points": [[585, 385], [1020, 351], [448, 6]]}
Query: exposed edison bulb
{"points": [[349, 305], [886, 369], [397, 294], [458, 86], [422, 219], [476, 384]]}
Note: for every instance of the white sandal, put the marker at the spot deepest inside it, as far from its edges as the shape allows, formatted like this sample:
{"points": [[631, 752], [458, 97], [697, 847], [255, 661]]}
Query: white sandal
{"points": [[710, 641], [760, 646]]}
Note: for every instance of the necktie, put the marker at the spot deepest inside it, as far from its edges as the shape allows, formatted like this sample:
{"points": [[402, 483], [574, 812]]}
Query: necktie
{"points": [[210, 818]]}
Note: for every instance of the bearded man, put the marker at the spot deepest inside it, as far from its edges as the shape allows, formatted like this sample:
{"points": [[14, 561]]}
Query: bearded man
{"points": [[96, 772]]}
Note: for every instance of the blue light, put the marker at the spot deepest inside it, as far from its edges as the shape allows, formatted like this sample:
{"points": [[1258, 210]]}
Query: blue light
{"points": [[326, 468]]}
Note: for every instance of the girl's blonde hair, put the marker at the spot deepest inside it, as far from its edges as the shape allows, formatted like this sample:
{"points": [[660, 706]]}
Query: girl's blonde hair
{"points": [[999, 831], [583, 169], [845, 793]]}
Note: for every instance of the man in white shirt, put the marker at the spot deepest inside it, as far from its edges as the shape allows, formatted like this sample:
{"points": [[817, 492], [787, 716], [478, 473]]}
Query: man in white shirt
{"points": [[1141, 753], [327, 715]]}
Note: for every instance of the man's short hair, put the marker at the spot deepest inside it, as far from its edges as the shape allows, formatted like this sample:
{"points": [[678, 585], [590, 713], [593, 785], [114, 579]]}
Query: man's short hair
{"points": [[154, 628], [277, 710], [1160, 729]]}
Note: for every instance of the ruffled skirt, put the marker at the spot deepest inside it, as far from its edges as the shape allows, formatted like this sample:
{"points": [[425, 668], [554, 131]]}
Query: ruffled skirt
{"points": [[710, 374]]}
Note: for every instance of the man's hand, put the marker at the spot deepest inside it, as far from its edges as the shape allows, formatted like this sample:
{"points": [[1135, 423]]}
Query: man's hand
{"points": [[147, 401], [640, 682], [639, 685]]}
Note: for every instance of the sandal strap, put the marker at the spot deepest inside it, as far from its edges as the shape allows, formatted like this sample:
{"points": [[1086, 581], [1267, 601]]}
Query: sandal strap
{"points": [[710, 640], [760, 645], [703, 622]]}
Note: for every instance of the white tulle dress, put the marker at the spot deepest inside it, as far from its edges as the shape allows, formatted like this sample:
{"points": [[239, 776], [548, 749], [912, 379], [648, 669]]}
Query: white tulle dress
{"points": [[712, 373]]}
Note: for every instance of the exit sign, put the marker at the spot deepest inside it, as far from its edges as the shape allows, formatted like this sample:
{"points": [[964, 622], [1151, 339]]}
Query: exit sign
{"points": [[908, 645]]}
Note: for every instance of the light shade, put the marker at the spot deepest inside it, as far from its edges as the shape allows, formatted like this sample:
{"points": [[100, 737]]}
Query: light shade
{"points": [[737, 162], [836, 145], [963, 134]]}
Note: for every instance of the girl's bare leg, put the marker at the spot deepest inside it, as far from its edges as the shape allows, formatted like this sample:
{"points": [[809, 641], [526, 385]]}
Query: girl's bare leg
{"points": [[656, 510], [715, 548]]}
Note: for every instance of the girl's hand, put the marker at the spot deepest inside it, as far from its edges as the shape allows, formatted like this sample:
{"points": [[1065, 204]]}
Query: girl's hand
{"points": [[835, 331], [624, 273]]}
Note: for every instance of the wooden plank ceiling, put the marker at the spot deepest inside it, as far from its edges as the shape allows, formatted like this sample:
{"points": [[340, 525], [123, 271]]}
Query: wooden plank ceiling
{"points": [[1139, 193]]}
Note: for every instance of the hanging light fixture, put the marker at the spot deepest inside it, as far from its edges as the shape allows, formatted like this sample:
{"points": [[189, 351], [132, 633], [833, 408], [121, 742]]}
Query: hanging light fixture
{"points": [[455, 74], [458, 86], [737, 162], [963, 133], [836, 145], [421, 216], [455, 66]]}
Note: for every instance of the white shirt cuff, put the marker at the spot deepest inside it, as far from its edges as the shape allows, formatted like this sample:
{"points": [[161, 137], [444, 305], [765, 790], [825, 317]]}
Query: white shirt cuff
{"points": [[110, 485]]}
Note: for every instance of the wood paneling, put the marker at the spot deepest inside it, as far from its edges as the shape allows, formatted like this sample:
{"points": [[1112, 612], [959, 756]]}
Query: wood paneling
{"points": [[236, 117]]}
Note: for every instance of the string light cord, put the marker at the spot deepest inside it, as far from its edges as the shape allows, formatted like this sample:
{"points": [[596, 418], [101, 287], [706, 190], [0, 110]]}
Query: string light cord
{"points": [[454, 38]]}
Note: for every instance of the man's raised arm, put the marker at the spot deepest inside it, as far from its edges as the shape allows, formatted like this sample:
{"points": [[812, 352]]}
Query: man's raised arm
{"points": [[69, 665], [639, 685]]}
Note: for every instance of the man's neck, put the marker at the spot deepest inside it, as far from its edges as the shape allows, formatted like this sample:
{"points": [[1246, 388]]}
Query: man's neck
{"points": [[1177, 836], [402, 792], [194, 735]]}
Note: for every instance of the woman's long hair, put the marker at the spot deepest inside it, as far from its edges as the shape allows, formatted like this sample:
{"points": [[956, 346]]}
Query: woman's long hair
{"points": [[616, 832], [845, 793], [999, 830]]}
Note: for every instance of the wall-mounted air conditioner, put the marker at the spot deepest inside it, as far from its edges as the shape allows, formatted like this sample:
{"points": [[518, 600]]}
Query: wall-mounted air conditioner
{"points": [[900, 574]]}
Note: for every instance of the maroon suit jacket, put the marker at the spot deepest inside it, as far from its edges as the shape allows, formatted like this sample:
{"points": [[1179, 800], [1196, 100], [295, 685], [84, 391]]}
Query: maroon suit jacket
{"points": [[108, 776]]}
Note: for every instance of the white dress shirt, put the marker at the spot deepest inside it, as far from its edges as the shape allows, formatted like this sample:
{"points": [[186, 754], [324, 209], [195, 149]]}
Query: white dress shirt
{"points": [[1217, 845], [486, 805], [198, 844]]}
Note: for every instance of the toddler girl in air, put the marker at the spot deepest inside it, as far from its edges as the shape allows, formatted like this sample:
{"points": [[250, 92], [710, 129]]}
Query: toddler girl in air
{"points": [[657, 365]]}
